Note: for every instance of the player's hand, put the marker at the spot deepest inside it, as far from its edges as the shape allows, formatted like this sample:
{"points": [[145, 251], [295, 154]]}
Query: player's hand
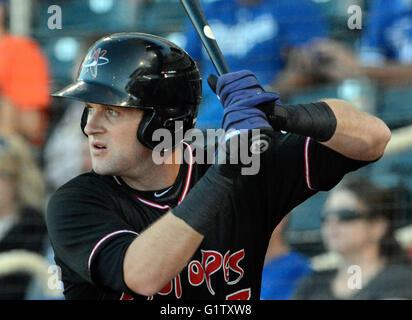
{"points": [[241, 94]]}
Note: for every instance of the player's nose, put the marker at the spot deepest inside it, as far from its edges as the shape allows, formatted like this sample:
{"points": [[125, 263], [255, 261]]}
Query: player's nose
{"points": [[94, 122]]}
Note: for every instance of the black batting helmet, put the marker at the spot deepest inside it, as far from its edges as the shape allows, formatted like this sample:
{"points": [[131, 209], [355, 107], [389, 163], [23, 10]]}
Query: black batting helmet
{"points": [[143, 71]]}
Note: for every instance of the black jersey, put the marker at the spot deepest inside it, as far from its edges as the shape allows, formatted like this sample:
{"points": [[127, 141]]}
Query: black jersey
{"points": [[92, 220]]}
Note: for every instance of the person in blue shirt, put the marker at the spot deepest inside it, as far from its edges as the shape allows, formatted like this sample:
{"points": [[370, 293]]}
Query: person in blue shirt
{"points": [[252, 34], [383, 54], [388, 33], [284, 267], [386, 44]]}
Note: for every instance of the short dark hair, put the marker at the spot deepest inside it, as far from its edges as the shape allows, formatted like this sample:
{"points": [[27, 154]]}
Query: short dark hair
{"points": [[381, 202]]}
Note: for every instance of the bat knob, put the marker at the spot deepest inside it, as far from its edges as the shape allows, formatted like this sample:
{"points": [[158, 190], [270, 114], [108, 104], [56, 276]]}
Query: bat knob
{"points": [[259, 143]]}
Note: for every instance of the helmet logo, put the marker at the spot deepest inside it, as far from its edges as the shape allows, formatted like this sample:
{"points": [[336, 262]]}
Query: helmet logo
{"points": [[95, 59]]}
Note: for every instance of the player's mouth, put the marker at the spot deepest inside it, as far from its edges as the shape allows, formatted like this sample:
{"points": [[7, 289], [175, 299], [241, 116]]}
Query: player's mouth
{"points": [[98, 148]]}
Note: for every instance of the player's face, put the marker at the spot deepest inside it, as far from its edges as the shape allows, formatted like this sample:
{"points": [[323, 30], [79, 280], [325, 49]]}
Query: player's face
{"points": [[114, 148]]}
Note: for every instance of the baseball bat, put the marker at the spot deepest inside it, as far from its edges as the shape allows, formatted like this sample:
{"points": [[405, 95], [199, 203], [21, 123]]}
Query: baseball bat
{"points": [[197, 17], [260, 143]]}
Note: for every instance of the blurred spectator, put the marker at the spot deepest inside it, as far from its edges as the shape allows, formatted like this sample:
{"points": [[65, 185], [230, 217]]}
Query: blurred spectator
{"points": [[24, 80], [252, 34], [22, 225], [36, 289], [67, 140], [384, 55], [319, 62], [358, 225], [284, 267], [386, 48]]}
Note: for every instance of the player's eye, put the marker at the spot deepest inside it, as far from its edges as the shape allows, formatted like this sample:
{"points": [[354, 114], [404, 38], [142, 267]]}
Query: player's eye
{"points": [[112, 112], [89, 110]]}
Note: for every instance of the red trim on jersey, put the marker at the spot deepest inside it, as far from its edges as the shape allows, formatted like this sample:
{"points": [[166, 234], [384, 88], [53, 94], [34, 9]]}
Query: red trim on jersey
{"points": [[189, 174], [101, 241], [152, 204], [125, 296], [243, 294], [185, 189], [307, 169]]}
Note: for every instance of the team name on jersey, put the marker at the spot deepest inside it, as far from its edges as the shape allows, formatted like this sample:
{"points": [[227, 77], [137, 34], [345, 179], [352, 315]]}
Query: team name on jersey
{"points": [[205, 271]]}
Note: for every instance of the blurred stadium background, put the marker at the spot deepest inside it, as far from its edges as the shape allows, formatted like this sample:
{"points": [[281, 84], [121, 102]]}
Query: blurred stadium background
{"points": [[84, 20]]}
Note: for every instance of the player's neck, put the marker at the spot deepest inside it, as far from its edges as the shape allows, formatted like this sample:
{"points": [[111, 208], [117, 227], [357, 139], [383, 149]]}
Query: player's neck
{"points": [[156, 176]]}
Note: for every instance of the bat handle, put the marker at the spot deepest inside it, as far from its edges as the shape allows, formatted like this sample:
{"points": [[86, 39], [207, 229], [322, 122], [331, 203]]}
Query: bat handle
{"points": [[221, 67], [213, 50], [215, 55], [219, 62]]}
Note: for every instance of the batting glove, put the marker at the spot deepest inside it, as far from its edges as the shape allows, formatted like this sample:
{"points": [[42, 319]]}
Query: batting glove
{"points": [[240, 94]]}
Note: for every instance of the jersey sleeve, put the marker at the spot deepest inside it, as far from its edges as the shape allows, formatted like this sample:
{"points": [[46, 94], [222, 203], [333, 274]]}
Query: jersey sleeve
{"points": [[88, 236], [300, 167]]}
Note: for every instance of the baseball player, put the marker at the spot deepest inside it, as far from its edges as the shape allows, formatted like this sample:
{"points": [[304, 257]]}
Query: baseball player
{"points": [[133, 229]]}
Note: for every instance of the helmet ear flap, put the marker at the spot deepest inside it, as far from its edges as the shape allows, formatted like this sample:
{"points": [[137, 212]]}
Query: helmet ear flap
{"points": [[83, 120], [147, 126], [152, 120]]}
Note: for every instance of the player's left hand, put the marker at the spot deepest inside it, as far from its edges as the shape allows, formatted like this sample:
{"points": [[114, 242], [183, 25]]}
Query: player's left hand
{"points": [[240, 94]]}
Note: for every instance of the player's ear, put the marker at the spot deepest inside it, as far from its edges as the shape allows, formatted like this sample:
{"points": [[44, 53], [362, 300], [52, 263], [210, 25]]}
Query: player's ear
{"points": [[212, 82]]}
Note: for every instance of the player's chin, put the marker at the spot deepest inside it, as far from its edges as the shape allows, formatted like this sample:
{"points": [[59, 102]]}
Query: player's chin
{"points": [[102, 168]]}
